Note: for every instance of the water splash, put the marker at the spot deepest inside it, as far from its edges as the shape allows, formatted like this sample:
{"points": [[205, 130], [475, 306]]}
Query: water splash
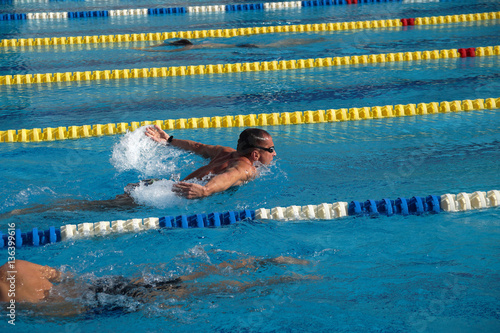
{"points": [[159, 194], [135, 151], [26, 196]]}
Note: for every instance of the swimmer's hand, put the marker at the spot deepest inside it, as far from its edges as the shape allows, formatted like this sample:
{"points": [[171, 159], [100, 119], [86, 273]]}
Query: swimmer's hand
{"points": [[157, 134], [189, 190]]}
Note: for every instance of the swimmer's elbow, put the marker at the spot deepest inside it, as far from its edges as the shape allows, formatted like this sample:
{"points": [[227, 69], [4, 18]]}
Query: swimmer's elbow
{"points": [[216, 187], [209, 190], [206, 192]]}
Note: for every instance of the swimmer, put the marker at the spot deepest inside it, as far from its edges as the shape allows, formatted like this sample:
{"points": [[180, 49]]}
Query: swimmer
{"points": [[26, 282], [188, 45], [228, 167]]}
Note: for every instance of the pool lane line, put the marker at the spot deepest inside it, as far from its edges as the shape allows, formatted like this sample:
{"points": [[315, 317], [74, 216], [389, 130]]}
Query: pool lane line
{"points": [[135, 73], [251, 120], [417, 205], [183, 10], [232, 32]]}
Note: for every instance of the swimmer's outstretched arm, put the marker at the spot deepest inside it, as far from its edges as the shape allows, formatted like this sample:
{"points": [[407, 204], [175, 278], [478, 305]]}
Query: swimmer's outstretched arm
{"points": [[255, 262], [156, 45], [121, 201], [248, 263], [147, 47], [207, 151], [232, 286], [293, 41]]}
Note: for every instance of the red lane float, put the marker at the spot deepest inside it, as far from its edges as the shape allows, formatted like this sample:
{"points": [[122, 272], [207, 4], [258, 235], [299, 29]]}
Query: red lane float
{"points": [[408, 21], [470, 52]]}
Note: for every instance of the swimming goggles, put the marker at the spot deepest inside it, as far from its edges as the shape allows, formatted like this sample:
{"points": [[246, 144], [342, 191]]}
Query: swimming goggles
{"points": [[270, 149]]}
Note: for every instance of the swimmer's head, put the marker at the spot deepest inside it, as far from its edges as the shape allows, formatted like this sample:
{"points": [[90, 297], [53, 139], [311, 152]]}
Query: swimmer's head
{"points": [[181, 42], [256, 144]]}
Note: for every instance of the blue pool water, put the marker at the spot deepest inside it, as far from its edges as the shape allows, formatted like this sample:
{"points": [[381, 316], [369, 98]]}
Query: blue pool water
{"points": [[431, 273]]}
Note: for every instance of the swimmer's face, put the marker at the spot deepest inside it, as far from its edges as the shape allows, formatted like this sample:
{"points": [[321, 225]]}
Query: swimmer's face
{"points": [[266, 157]]}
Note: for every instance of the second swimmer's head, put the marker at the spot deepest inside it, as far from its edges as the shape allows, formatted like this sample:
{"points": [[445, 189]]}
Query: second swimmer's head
{"points": [[181, 42]]}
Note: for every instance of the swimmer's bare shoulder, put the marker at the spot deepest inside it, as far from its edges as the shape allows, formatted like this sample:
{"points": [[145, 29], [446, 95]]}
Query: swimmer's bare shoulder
{"points": [[246, 169], [221, 150]]}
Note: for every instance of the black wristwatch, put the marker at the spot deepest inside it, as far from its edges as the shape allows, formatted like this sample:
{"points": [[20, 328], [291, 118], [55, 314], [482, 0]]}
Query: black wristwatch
{"points": [[170, 138]]}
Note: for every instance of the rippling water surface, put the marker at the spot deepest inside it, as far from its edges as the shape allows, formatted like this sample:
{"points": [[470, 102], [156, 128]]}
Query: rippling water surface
{"points": [[393, 274]]}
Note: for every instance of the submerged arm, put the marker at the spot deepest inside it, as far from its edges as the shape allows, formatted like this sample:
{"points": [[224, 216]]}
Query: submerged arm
{"points": [[294, 41], [146, 47]]}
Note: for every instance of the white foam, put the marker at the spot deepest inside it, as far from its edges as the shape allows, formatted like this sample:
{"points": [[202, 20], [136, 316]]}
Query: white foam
{"points": [[136, 151], [269, 172], [26, 196], [262, 169], [159, 194]]}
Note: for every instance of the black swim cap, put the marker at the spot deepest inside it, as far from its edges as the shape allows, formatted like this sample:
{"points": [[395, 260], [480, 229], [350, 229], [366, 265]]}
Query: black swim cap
{"points": [[251, 137], [181, 42]]}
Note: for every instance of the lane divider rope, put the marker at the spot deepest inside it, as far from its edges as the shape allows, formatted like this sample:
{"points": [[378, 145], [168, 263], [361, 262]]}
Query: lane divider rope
{"points": [[251, 120], [232, 32], [326, 211], [183, 10], [135, 73]]}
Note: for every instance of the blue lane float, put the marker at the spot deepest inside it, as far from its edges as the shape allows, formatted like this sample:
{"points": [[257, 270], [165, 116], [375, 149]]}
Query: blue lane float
{"points": [[54, 235], [31, 238], [183, 10], [416, 205]]}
